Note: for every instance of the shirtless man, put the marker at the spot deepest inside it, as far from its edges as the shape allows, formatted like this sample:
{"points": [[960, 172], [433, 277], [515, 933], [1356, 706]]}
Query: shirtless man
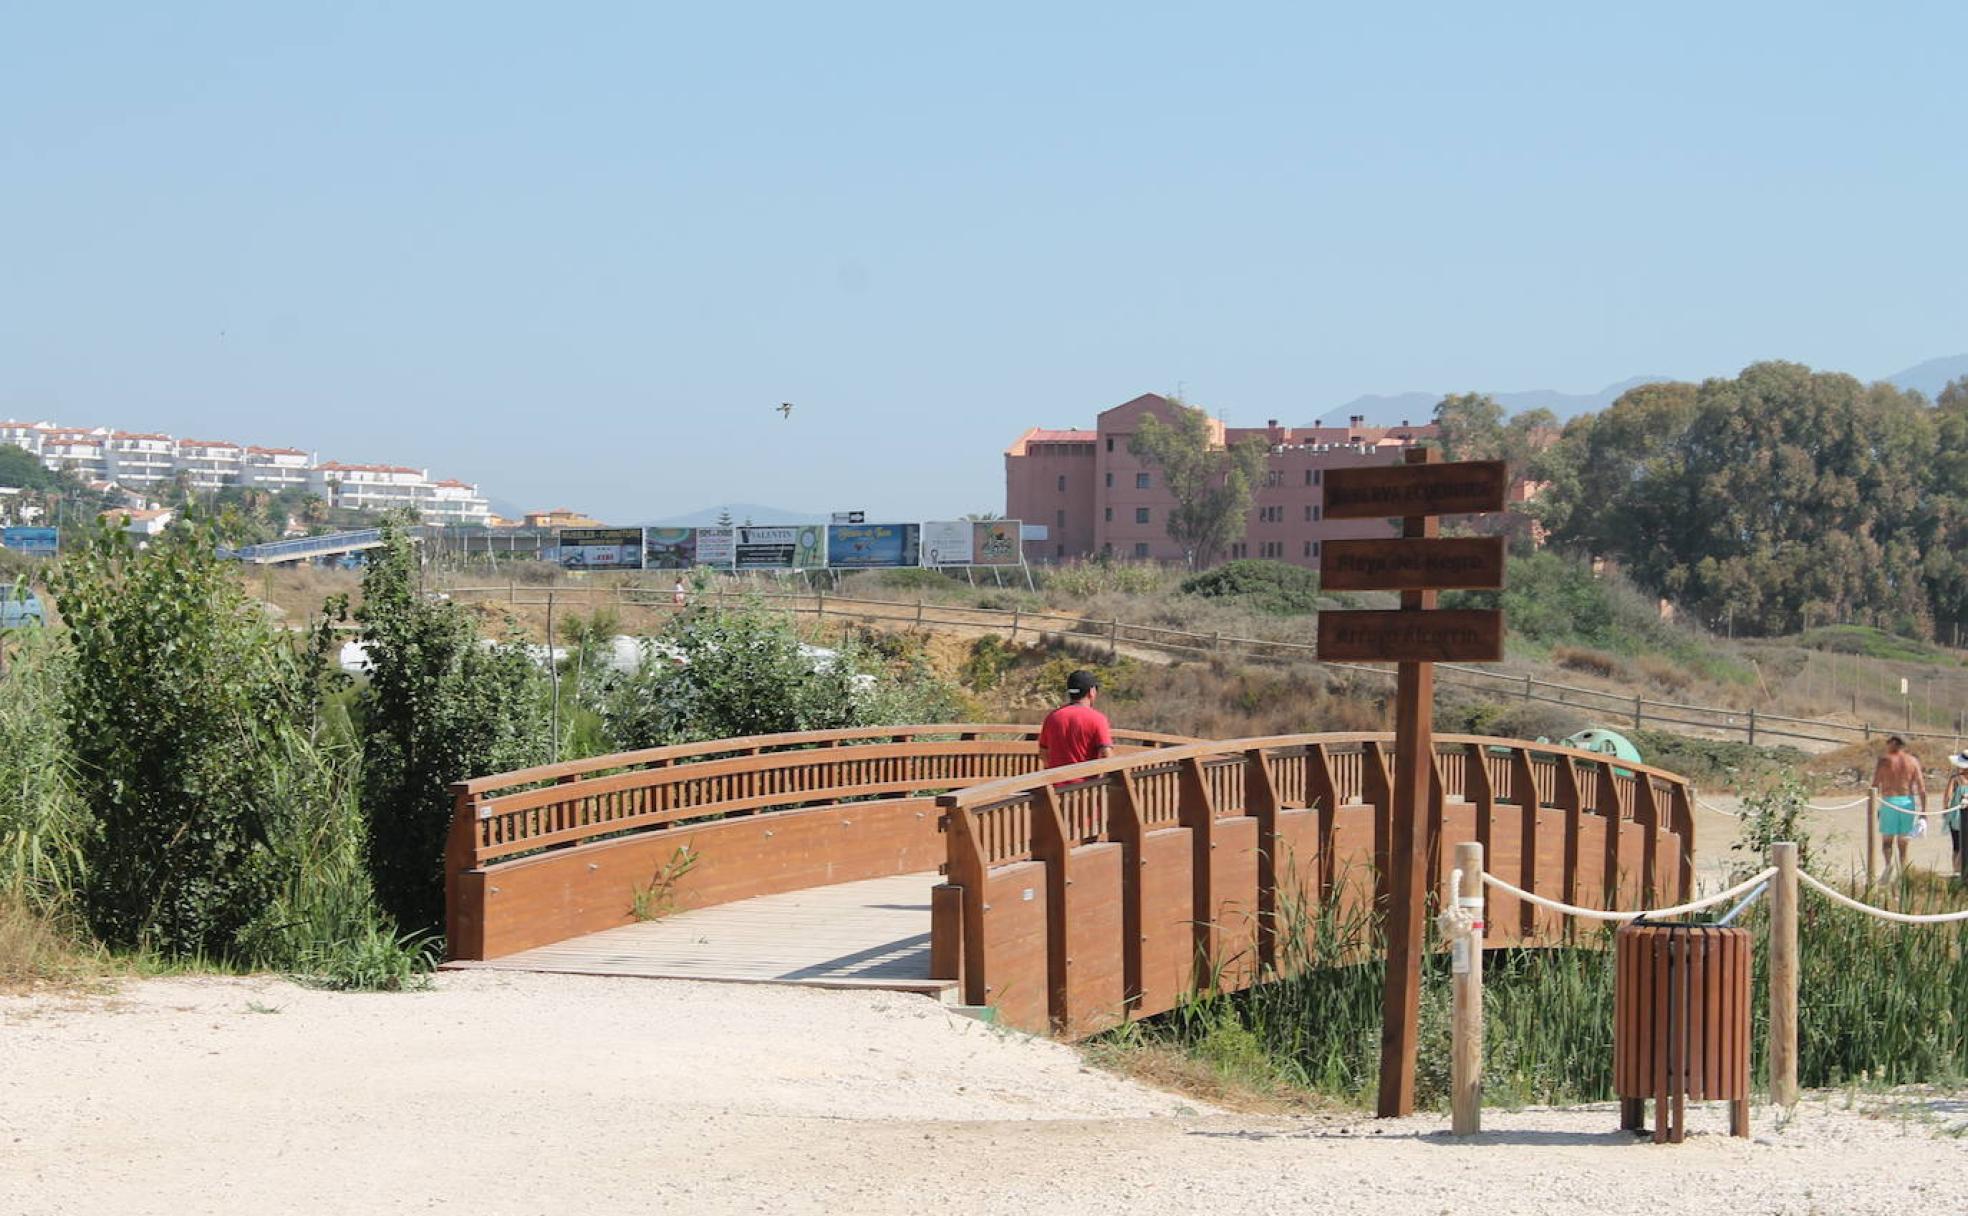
{"points": [[1902, 787]]}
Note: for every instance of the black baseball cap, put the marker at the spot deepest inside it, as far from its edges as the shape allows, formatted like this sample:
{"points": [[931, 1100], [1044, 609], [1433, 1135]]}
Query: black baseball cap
{"points": [[1080, 683]]}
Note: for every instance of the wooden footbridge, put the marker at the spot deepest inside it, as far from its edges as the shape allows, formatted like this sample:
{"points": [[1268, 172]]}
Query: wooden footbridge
{"points": [[943, 859]]}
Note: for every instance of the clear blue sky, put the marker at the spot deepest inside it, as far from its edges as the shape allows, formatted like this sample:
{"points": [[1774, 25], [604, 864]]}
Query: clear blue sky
{"points": [[577, 253]]}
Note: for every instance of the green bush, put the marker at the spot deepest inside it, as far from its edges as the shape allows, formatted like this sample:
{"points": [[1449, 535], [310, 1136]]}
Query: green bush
{"points": [[370, 960], [1267, 586], [439, 707], [175, 692], [43, 825]]}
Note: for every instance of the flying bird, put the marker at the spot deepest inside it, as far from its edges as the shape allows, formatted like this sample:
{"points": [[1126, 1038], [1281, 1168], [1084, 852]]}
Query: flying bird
{"points": [[785, 409]]}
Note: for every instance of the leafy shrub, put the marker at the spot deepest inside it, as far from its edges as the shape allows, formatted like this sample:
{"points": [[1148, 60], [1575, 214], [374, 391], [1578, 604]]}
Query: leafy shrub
{"points": [[989, 659], [439, 707], [371, 960], [174, 690], [1715, 762], [1268, 586]]}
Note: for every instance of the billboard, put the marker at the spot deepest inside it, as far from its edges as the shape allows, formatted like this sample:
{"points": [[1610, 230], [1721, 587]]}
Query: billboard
{"points": [[781, 547], [946, 543], [39, 541], [601, 548], [871, 546], [717, 546], [669, 548], [995, 542]]}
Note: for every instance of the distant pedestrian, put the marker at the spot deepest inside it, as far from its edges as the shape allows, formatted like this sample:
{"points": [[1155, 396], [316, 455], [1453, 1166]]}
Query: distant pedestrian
{"points": [[1902, 788], [1957, 793], [1076, 732], [677, 594]]}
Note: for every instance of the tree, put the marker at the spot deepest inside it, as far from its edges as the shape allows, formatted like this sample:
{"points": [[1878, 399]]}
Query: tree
{"points": [[22, 471], [177, 698], [1213, 484], [1471, 426], [438, 708]]}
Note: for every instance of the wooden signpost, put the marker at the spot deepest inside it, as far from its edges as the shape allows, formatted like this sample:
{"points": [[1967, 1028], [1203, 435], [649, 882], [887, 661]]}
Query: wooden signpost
{"points": [[1416, 636]]}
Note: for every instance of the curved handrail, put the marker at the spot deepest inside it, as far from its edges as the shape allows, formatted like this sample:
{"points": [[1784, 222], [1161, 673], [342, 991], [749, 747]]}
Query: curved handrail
{"points": [[1009, 787], [788, 741]]}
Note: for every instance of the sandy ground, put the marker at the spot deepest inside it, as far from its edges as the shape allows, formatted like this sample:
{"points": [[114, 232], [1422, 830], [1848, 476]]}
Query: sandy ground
{"points": [[546, 1094], [1838, 837]]}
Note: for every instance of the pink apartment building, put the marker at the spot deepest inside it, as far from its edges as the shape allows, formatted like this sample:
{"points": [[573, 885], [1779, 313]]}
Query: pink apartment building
{"points": [[1094, 497]]}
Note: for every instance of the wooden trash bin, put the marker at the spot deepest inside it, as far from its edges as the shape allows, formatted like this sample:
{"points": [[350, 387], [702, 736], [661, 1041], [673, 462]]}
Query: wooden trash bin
{"points": [[1681, 1024]]}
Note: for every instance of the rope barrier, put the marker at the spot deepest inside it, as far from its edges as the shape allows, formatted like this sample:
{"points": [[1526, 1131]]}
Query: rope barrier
{"points": [[1839, 806], [1904, 918], [1623, 917]]}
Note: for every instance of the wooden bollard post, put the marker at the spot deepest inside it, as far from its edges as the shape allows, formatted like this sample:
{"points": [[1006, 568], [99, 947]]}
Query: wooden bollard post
{"points": [[1783, 976], [1872, 835], [1466, 966]]}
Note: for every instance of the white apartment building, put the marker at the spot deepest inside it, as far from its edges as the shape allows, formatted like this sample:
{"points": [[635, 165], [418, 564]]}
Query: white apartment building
{"points": [[275, 469], [212, 464], [85, 453], [457, 502], [140, 464], [371, 487], [141, 461]]}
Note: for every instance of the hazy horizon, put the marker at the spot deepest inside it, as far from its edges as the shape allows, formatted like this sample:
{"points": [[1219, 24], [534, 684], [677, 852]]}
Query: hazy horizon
{"points": [[578, 260]]}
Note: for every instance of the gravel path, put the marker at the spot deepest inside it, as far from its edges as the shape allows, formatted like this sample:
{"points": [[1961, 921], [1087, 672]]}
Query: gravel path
{"points": [[548, 1094]]}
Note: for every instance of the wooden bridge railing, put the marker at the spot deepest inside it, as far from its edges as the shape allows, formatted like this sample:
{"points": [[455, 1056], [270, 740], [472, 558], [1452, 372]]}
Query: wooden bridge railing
{"points": [[1111, 889], [545, 853]]}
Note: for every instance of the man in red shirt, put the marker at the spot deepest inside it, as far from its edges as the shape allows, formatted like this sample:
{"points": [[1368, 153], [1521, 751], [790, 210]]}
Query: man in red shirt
{"points": [[1076, 731]]}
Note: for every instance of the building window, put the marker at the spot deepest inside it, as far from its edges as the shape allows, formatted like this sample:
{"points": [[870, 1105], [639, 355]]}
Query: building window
{"points": [[1318, 512], [1141, 481], [1061, 516], [1274, 477], [1110, 443], [1316, 474], [1059, 550], [1062, 483], [1141, 515], [1141, 548], [1240, 549], [1110, 481], [1110, 515], [1308, 513], [1315, 548], [1308, 548], [1308, 477]]}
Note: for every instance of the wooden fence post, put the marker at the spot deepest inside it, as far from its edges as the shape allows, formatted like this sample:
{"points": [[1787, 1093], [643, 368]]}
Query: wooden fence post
{"points": [[1114, 640], [1752, 726], [1872, 835], [1783, 976], [1637, 709], [1466, 964]]}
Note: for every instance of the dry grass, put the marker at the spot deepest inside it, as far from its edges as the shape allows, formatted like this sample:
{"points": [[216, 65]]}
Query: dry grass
{"points": [[35, 954], [1591, 662], [1165, 1066]]}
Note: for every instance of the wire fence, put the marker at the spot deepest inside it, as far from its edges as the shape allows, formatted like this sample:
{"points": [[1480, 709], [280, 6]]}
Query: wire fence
{"points": [[1635, 710]]}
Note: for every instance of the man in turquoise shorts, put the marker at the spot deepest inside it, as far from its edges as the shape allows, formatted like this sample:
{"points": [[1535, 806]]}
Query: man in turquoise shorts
{"points": [[1902, 789]]}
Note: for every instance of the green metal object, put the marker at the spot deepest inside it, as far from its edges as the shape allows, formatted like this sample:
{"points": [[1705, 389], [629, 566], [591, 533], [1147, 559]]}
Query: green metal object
{"points": [[1606, 742]]}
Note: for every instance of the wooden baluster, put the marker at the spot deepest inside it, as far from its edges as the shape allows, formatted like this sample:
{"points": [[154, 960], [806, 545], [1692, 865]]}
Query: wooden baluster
{"points": [[1124, 827], [1566, 795], [1482, 796], [1052, 845], [1377, 788], [1261, 804], [1609, 812], [1325, 795], [1683, 811], [1646, 814], [1195, 811]]}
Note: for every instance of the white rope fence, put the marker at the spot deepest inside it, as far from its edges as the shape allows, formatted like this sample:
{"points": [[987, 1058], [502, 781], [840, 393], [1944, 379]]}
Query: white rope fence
{"points": [[1836, 806], [1903, 918], [1745, 887], [1741, 888]]}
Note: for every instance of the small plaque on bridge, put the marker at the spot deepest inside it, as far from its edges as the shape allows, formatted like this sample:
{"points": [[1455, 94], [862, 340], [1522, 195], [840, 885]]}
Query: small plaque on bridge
{"points": [[1386, 491], [1451, 635], [1460, 563]]}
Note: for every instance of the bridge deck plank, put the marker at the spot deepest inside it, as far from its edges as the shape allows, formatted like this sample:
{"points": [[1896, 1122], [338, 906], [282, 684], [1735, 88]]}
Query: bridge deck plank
{"points": [[872, 934]]}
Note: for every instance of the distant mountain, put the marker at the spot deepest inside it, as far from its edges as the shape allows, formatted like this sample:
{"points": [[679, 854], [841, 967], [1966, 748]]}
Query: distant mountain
{"points": [[506, 508], [1932, 376], [740, 512], [1418, 408]]}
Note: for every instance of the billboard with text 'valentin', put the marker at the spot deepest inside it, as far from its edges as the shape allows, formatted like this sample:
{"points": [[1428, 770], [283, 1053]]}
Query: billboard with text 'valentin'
{"points": [[601, 548], [781, 547], [873, 546]]}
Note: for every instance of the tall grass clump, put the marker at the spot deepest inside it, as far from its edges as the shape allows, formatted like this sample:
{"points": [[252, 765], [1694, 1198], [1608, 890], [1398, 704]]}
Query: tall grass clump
{"points": [[42, 822]]}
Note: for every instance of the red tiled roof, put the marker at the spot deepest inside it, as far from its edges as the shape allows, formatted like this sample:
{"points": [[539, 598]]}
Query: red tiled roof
{"points": [[260, 451], [206, 443], [336, 466], [1073, 436], [455, 484]]}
